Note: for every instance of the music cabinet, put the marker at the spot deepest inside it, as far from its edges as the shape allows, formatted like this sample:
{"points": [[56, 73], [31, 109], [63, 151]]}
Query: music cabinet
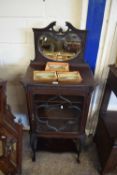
{"points": [[106, 132], [10, 138], [58, 109]]}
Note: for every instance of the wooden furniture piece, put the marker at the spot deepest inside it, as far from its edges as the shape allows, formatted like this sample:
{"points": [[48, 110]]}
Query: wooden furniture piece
{"points": [[58, 109], [10, 138], [106, 132]]}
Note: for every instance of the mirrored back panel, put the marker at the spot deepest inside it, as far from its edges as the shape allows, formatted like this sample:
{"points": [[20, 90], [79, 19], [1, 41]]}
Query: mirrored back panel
{"points": [[59, 47], [58, 44]]}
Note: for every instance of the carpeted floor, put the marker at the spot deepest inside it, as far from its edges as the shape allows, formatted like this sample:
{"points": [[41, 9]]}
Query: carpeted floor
{"points": [[48, 163]]}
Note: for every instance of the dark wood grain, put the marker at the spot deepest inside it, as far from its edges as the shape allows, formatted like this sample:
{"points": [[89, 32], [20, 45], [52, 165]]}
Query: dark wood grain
{"points": [[106, 132], [10, 137], [76, 94]]}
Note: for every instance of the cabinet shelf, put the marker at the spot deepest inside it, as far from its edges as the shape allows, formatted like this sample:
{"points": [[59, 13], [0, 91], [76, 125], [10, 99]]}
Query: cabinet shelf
{"points": [[58, 111]]}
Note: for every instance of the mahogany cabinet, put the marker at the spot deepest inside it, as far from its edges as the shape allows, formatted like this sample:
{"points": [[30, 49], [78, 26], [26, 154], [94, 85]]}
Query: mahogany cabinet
{"points": [[106, 132], [58, 110], [10, 138]]}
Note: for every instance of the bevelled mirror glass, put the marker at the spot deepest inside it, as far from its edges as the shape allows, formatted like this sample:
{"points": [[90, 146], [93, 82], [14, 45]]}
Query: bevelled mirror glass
{"points": [[59, 47], [56, 44]]}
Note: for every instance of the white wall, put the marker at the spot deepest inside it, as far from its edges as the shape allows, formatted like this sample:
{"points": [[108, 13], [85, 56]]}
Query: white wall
{"points": [[17, 18], [107, 54], [108, 48]]}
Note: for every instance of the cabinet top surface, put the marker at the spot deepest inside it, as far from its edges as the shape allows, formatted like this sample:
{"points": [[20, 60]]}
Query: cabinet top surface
{"points": [[86, 73]]}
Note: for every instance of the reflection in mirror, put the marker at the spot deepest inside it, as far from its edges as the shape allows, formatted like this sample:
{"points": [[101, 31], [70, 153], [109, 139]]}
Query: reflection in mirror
{"points": [[59, 46]]}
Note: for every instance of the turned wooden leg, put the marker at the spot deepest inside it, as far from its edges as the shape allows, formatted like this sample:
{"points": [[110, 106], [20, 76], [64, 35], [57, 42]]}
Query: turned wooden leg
{"points": [[78, 147], [33, 142]]}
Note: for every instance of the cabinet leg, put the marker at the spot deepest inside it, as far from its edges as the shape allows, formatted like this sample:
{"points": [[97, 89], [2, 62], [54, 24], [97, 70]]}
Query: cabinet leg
{"points": [[33, 142], [78, 147]]}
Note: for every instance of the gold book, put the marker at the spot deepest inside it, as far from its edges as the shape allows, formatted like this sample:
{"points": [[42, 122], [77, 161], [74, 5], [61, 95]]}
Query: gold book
{"points": [[44, 76], [56, 66], [73, 77]]}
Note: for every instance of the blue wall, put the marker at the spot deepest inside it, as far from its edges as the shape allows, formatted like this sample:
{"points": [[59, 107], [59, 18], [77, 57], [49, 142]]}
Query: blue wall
{"points": [[94, 24]]}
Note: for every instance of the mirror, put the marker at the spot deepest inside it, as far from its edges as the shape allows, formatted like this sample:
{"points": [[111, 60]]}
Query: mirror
{"points": [[60, 46], [55, 44]]}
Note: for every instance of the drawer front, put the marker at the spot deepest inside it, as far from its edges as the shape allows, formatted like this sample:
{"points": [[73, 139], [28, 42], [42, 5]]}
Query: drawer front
{"points": [[58, 90]]}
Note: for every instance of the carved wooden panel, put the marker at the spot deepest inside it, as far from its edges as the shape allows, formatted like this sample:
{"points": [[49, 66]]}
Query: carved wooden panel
{"points": [[10, 138]]}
